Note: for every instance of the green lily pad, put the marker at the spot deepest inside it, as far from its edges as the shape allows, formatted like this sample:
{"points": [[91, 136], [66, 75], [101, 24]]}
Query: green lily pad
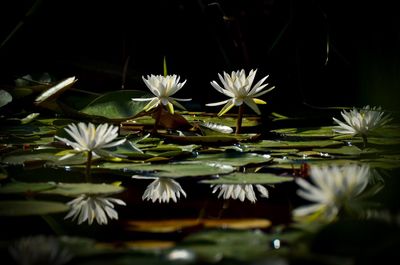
{"points": [[236, 159], [267, 144], [227, 119], [314, 132], [347, 150], [76, 189], [5, 98], [173, 170], [116, 105], [47, 156], [25, 208], [25, 187], [248, 178]]}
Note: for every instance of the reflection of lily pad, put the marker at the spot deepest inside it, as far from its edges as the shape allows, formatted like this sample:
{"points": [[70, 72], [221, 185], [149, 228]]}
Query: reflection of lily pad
{"points": [[175, 225], [170, 170], [248, 178], [24, 208], [24, 187], [76, 189], [215, 245]]}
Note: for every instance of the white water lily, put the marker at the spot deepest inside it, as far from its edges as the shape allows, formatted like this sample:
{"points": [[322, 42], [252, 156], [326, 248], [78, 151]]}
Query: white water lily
{"points": [[239, 191], [163, 87], [88, 138], [361, 122], [334, 187], [163, 190], [239, 88], [91, 207], [40, 249]]}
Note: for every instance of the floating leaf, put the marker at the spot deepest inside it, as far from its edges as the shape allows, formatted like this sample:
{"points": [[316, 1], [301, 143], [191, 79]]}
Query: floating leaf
{"points": [[173, 170], [24, 208], [347, 150], [5, 98], [216, 127], [314, 132], [248, 178], [116, 105], [76, 189], [48, 156], [266, 144], [227, 120], [233, 158], [54, 91]]}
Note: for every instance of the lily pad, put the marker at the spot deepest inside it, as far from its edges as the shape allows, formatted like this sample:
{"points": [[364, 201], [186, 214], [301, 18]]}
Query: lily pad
{"points": [[46, 156], [25, 208], [5, 98], [173, 170], [236, 159], [227, 119], [347, 150], [76, 189], [116, 105], [248, 178], [313, 132], [267, 144]]}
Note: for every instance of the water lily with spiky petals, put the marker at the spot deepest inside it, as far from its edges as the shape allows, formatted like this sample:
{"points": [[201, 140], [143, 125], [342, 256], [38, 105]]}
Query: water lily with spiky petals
{"points": [[163, 190], [163, 87], [88, 138], [91, 207], [334, 188], [239, 88], [362, 122], [239, 191]]}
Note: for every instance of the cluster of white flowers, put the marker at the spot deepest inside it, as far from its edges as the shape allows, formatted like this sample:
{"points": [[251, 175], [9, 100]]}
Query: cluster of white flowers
{"points": [[237, 86]]}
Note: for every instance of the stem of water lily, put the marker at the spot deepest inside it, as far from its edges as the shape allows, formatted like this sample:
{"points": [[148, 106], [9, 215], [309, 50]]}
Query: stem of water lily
{"points": [[158, 112], [365, 140], [239, 119], [88, 166]]}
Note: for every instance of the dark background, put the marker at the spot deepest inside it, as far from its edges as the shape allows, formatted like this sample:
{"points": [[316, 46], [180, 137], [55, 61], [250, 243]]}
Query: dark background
{"points": [[287, 39]]}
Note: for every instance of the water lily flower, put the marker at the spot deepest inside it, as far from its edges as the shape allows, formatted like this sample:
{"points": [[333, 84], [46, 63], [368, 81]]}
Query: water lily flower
{"points": [[239, 88], [163, 190], [239, 191], [88, 138], [163, 87], [333, 189], [362, 122], [90, 207], [40, 249]]}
